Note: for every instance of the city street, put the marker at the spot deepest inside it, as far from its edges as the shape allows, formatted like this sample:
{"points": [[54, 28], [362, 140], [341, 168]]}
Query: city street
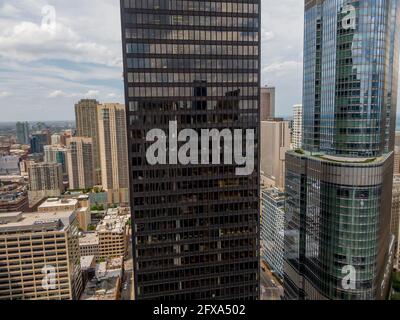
{"points": [[270, 287], [127, 283]]}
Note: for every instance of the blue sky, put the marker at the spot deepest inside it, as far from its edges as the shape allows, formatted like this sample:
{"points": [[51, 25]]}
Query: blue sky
{"points": [[44, 73]]}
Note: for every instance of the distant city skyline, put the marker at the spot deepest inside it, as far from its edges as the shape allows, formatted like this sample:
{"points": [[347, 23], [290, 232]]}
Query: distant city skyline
{"points": [[44, 74]]}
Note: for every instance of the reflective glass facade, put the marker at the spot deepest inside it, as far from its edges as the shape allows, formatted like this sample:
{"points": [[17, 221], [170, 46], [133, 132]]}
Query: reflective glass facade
{"points": [[338, 243], [196, 227], [350, 76]]}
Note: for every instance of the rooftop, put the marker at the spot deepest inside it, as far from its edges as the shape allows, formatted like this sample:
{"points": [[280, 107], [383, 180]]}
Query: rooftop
{"points": [[87, 262], [91, 238], [338, 159], [113, 221], [18, 221], [57, 202]]}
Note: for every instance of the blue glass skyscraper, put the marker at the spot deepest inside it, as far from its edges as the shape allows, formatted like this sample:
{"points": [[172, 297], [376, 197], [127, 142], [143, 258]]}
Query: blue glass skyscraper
{"points": [[338, 189]]}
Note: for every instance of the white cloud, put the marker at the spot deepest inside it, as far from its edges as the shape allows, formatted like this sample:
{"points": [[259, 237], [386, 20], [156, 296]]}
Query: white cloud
{"points": [[91, 94], [284, 67], [4, 94], [28, 41], [7, 9]]}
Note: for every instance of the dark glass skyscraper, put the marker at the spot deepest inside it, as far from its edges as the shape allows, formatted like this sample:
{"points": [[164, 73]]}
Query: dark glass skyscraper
{"points": [[196, 227], [338, 189]]}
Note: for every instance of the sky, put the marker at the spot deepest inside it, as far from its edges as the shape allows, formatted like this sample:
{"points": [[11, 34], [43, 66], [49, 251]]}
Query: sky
{"points": [[50, 59]]}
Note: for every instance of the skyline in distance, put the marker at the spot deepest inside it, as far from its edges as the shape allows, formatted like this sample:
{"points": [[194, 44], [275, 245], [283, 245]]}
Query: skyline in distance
{"points": [[45, 73]]}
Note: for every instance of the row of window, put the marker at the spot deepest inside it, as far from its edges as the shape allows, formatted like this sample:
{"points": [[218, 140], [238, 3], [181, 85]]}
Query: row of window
{"points": [[189, 5], [135, 106], [153, 92], [179, 63], [186, 77], [191, 49], [192, 35], [194, 21]]}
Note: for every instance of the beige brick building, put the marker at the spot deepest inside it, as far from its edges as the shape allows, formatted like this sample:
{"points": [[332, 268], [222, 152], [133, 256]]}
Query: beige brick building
{"points": [[39, 256]]}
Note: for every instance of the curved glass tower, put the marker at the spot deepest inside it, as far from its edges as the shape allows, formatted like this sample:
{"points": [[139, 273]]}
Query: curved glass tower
{"points": [[337, 229]]}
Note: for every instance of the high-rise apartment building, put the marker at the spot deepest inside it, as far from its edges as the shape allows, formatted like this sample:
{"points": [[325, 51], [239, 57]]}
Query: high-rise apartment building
{"points": [[87, 126], [39, 256], [267, 103], [114, 151], [272, 228], [80, 163], [275, 142], [196, 227], [338, 243], [297, 134], [45, 179], [56, 154], [23, 133]]}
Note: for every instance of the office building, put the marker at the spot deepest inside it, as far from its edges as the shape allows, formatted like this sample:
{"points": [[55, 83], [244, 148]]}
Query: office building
{"points": [[272, 228], [45, 180], [267, 103], [275, 141], [195, 228], [338, 243], [87, 126], [297, 134], [23, 132], [39, 256], [80, 163], [114, 151]]}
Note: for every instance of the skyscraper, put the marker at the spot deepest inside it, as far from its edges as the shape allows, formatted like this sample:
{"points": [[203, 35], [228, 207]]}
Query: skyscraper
{"points": [[87, 125], [23, 132], [275, 141], [338, 243], [196, 227], [114, 151], [80, 162], [297, 126], [267, 103]]}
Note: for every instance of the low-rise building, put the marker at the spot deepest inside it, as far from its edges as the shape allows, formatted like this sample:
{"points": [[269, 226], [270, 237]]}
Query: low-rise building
{"points": [[89, 245], [106, 284], [68, 204], [112, 232], [13, 194]]}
